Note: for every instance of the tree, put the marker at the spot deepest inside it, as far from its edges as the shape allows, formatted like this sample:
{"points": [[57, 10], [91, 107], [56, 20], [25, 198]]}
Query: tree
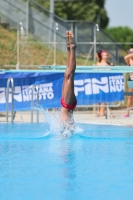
{"points": [[88, 10], [121, 34]]}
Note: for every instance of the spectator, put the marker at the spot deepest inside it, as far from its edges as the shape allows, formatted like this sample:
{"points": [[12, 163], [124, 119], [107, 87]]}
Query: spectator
{"points": [[102, 60], [129, 60]]}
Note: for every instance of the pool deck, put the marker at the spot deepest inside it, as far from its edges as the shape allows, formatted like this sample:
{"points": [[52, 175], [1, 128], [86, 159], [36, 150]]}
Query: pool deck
{"points": [[79, 116], [116, 120]]}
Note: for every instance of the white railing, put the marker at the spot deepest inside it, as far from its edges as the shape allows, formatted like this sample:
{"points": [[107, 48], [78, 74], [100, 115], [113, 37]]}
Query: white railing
{"points": [[37, 103], [10, 81]]}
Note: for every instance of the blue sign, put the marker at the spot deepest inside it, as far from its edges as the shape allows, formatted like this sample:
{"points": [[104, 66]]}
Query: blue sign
{"points": [[89, 88]]}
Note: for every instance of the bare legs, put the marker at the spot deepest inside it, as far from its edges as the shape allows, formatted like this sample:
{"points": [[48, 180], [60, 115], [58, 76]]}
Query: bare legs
{"points": [[101, 110], [129, 103], [68, 84]]}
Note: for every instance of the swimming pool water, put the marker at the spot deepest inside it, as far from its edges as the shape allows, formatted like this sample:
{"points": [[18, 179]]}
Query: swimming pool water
{"points": [[96, 163]]}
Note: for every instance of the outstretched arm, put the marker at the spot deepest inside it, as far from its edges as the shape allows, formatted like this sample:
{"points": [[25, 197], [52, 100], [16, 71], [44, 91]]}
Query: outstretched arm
{"points": [[127, 58]]}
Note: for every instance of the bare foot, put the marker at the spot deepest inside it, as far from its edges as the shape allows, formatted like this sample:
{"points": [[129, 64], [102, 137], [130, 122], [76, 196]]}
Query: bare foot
{"points": [[71, 42], [97, 115], [71, 36], [102, 114], [111, 115], [67, 40]]}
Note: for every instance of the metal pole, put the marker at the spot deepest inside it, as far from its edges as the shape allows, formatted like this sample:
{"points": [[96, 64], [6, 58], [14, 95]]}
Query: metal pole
{"points": [[94, 108], [7, 100], [55, 29], [12, 83], [54, 45], [32, 106], [96, 28], [72, 26], [51, 24], [88, 55], [17, 65], [94, 45], [117, 55], [27, 17], [37, 103], [10, 80], [76, 34], [107, 112], [52, 8], [20, 32]]}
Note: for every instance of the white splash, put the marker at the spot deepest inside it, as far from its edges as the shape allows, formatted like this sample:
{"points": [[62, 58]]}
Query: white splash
{"points": [[53, 125]]}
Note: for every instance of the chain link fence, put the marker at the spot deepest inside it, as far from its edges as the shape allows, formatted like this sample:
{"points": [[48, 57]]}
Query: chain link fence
{"points": [[40, 39]]}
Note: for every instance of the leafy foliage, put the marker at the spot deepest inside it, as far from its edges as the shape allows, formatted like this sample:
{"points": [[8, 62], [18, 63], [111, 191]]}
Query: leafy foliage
{"points": [[87, 10], [121, 34]]}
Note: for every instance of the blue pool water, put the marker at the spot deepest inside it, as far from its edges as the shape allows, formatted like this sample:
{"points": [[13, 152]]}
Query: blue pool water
{"points": [[96, 162]]}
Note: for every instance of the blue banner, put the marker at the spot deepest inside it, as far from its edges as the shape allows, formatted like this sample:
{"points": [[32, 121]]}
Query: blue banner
{"points": [[89, 88]]}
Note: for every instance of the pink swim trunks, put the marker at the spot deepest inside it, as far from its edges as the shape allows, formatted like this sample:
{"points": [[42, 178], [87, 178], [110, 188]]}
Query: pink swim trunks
{"points": [[69, 107]]}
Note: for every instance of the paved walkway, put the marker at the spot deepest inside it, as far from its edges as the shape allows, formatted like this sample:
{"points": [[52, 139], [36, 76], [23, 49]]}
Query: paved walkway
{"points": [[79, 116], [117, 120]]}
